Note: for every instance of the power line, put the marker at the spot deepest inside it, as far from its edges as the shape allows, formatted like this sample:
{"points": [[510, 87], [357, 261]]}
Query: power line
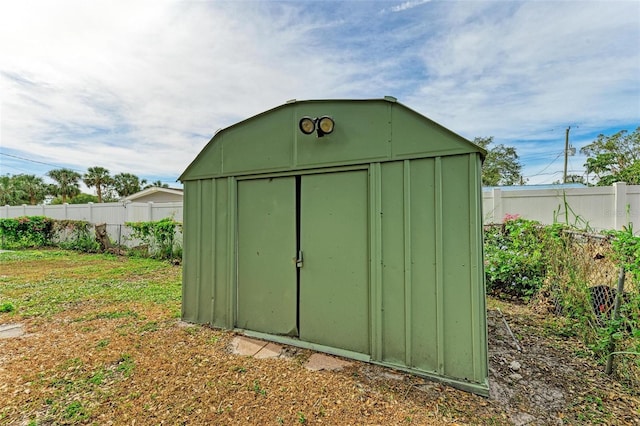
{"points": [[549, 165], [39, 162]]}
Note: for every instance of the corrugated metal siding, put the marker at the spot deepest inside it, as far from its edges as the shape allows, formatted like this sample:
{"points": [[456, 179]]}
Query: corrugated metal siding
{"points": [[427, 300], [423, 298], [432, 285]]}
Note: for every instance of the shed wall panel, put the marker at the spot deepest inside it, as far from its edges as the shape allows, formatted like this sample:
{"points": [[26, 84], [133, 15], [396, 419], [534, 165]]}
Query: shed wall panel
{"points": [[393, 296], [206, 250], [361, 133], [222, 282], [414, 134], [190, 273], [263, 146], [456, 262], [424, 303]]}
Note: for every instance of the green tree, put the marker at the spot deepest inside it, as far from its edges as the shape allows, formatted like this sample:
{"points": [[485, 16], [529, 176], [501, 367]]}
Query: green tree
{"points": [[501, 166], [127, 184], [156, 184], [67, 183], [572, 179], [99, 178], [81, 198], [33, 188], [614, 158], [10, 193]]}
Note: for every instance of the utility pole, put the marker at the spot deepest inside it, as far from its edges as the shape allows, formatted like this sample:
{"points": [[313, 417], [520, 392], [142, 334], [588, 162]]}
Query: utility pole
{"points": [[566, 154]]}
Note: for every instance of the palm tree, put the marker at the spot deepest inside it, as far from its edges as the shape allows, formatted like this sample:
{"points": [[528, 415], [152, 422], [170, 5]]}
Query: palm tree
{"points": [[33, 188], [99, 178], [10, 194], [156, 184], [67, 183], [127, 184]]}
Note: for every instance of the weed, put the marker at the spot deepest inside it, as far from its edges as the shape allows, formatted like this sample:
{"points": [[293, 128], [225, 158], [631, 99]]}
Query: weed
{"points": [[97, 378], [239, 369], [258, 389], [75, 411], [7, 307], [115, 315], [301, 418], [150, 326], [192, 330], [126, 365], [102, 343]]}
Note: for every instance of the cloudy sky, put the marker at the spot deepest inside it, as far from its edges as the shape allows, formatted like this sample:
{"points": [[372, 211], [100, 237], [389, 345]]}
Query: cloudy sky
{"points": [[140, 86]]}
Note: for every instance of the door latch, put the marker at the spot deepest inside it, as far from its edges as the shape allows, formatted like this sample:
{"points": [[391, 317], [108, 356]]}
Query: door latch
{"points": [[299, 260]]}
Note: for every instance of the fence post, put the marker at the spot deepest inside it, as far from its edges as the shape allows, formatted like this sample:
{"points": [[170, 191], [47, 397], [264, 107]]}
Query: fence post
{"points": [[620, 205], [65, 205], [90, 215], [24, 210], [126, 212], [496, 200], [150, 211], [616, 315]]}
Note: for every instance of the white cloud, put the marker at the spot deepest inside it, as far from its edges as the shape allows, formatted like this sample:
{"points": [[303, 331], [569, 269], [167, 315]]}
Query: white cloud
{"points": [[407, 5], [140, 86]]}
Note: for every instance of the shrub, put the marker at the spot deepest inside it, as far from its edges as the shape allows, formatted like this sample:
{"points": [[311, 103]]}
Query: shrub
{"points": [[20, 232], [76, 235], [7, 307], [516, 256], [160, 236]]}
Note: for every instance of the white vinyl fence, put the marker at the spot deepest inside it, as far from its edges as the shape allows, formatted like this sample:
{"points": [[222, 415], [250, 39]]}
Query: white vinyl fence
{"points": [[115, 215], [109, 213], [601, 208]]}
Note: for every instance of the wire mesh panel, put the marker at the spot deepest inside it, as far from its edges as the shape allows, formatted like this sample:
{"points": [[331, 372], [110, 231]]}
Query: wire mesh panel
{"points": [[581, 285]]}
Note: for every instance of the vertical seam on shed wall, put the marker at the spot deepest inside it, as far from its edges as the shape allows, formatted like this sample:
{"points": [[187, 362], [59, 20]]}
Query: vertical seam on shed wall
{"points": [[406, 193], [185, 249], [214, 219], [439, 264], [375, 185], [477, 274], [199, 258], [294, 149], [232, 231]]}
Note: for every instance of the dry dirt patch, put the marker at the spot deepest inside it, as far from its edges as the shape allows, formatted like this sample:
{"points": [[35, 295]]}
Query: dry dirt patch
{"points": [[126, 362]]}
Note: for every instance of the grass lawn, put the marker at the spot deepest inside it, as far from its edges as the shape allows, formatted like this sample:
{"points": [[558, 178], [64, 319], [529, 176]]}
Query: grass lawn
{"points": [[104, 344]]}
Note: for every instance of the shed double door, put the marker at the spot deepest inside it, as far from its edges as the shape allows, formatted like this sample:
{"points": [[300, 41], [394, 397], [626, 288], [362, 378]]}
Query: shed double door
{"points": [[303, 258]]}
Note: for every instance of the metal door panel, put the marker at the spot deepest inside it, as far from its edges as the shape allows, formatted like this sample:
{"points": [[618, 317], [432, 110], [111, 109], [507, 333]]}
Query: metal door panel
{"points": [[267, 278], [334, 295]]}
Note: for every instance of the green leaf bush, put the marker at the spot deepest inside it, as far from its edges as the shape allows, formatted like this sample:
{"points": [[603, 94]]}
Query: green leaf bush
{"points": [[23, 232], [516, 256], [159, 236]]}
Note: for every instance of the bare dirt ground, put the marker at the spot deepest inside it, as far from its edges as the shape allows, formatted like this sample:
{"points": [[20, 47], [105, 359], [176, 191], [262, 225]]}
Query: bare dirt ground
{"points": [[143, 368], [126, 363]]}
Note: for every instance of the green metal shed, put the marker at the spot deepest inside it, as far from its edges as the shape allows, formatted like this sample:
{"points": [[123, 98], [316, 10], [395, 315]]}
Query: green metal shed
{"points": [[352, 227]]}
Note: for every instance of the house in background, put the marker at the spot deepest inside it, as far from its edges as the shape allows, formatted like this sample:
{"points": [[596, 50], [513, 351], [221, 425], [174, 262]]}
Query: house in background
{"points": [[156, 195]]}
